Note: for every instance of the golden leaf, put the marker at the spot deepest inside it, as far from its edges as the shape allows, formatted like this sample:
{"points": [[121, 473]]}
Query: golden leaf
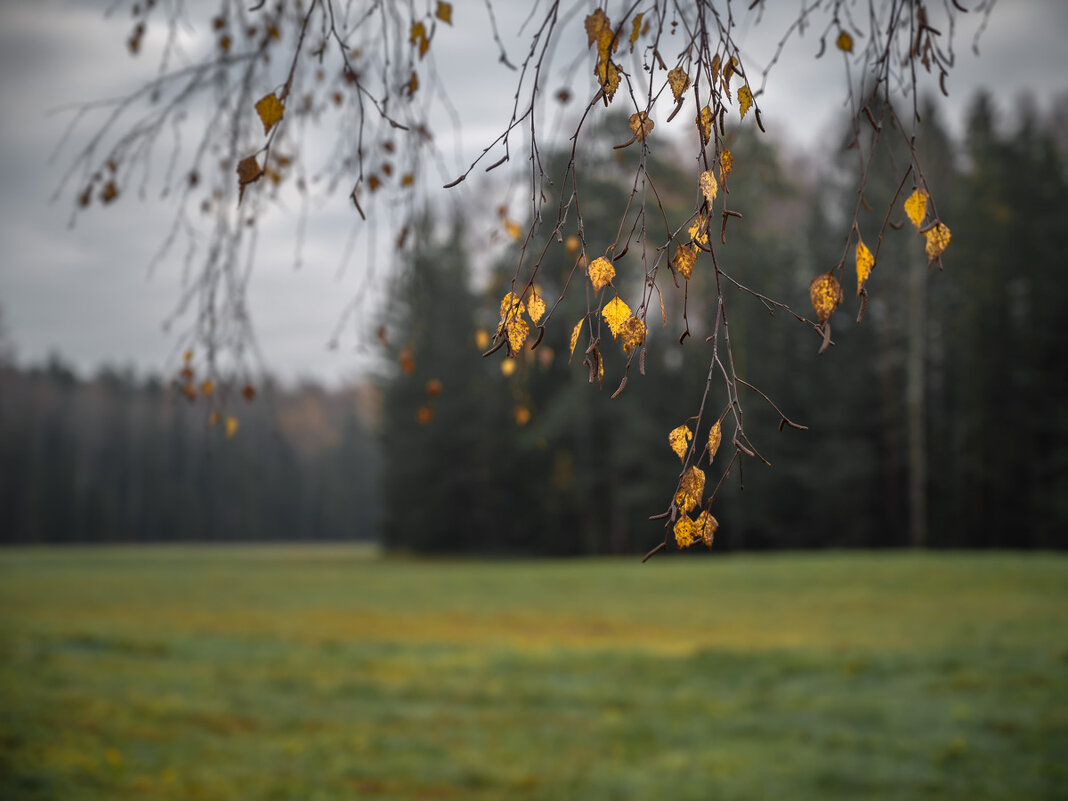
{"points": [[715, 437], [511, 307], [417, 35], [518, 330], [713, 70], [513, 229], [698, 230], [110, 192], [937, 241], [825, 294], [207, 388], [535, 306], [704, 124], [684, 530], [636, 30], [595, 23], [633, 334], [641, 125], [607, 43], [709, 187], [844, 42], [231, 426], [248, 172], [522, 415], [413, 83], [615, 313], [726, 163], [507, 367], [691, 488], [608, 77], [916, 207], [270, 109], [704, 528], [745, 100], [601, 273], [679, 438], [679, 82], [444, 12], [482, 339], [575, 335], [685, 259], [865, 263]]}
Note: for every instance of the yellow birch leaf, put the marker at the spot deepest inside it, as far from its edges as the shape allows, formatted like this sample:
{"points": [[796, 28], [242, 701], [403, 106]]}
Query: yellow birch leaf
{"points": [[826, 294], [685, 259], [937, 241], [444, 12], [482, 339], [595, 23], [679, 438], [691, 488], [844, 42], [633, 334], [704, 528], [207, 388], [635, 30], [704, 124], [715, 437], [607, 43], [413, 83], [511, 307], [518, 330], [507, 367], [745, 100], [608, 77], [709, 187], [601, 273], [574, 336], [865, 263], [615, 313], [641, 125], [513, 229], [916, 207], [535, 306], [679, 82], [714, 69], [684, 527], [726, 164], [698, 230], [270, 109], [231, 426]]}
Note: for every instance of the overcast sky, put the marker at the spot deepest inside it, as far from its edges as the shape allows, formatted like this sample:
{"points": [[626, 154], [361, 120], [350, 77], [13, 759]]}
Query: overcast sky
{"points": [[84, 292]]}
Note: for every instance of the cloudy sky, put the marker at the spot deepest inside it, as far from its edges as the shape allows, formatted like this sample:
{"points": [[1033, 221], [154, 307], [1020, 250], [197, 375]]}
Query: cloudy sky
{"points": [[85, 292]]}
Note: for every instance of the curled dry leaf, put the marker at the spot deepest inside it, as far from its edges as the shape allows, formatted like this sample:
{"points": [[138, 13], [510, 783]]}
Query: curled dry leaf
{"points": [[575, 335], [726, 163], [685, 259], [679, 439], [709, 187], [715, 437], [937, 241], [745, 100], [691, 489], [633, 334], [826, 294], [248, 172], [641, 125], [444, 12], [865, 263], [704, 528], [704, 124], [679, 82]]}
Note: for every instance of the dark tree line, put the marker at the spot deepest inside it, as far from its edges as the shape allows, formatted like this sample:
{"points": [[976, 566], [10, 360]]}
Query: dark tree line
{"points": [[116, 458]]}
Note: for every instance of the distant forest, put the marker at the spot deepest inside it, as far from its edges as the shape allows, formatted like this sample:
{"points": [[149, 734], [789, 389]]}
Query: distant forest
{"points": [[941, 420]]}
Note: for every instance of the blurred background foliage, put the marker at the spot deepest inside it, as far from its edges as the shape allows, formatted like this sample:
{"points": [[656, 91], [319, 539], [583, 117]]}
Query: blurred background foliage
{"points": [[444, 451]]}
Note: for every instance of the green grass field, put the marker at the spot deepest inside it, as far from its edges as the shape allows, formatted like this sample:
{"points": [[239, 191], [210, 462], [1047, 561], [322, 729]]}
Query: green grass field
{"points": [[325, 673]]}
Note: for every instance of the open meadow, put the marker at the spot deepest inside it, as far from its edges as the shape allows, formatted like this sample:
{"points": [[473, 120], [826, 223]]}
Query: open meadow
{"points": [[324, 672]]}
